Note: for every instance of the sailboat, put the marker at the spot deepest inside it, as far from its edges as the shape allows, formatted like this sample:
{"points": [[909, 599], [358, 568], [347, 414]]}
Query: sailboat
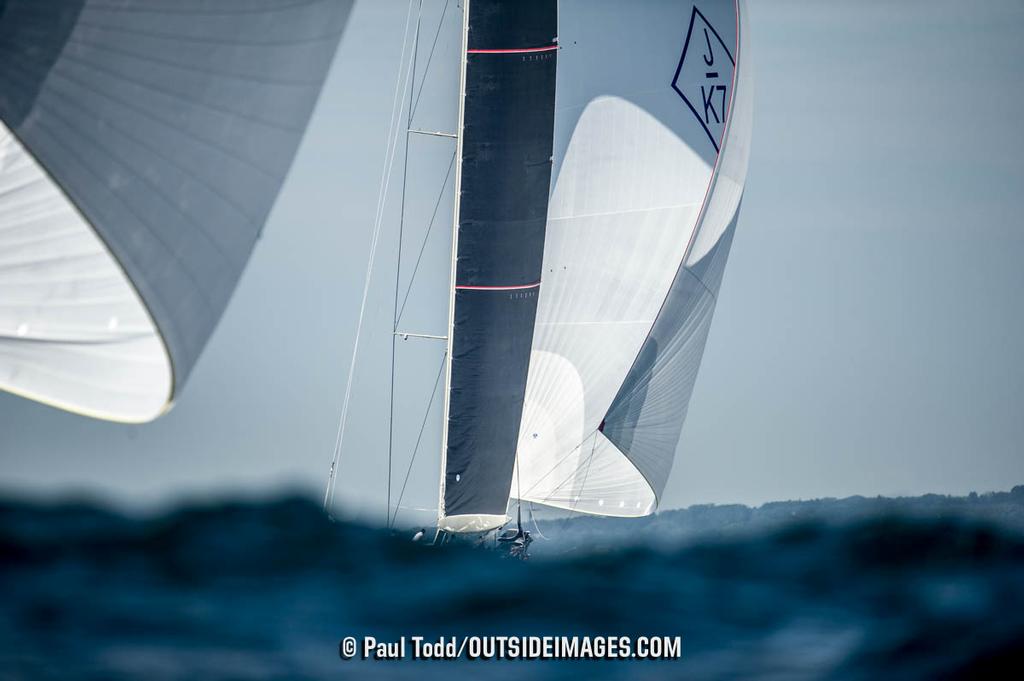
{"points": [[601, 153]]}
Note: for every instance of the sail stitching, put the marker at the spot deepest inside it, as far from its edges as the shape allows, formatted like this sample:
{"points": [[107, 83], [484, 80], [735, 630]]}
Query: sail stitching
{"points": [[589, 459], [558, 463]]}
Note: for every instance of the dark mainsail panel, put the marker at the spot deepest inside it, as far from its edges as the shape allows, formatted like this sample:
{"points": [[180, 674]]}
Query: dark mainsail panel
{"points": [[508, 124]]}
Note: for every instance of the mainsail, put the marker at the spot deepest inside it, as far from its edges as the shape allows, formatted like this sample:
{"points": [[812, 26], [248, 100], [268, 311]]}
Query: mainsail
{"points": [[504, 174], [142, 146]]}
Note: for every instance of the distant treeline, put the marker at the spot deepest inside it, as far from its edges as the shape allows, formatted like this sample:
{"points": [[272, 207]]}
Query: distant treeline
{"points": [[708, 521]]}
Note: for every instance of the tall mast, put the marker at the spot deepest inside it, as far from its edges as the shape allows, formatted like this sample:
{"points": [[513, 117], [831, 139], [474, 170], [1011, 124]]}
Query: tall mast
{"points": [[455, 252]]}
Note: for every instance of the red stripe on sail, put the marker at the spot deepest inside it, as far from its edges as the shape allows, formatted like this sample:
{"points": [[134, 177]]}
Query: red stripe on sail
{"points": [[520, 287], [514, 50]]}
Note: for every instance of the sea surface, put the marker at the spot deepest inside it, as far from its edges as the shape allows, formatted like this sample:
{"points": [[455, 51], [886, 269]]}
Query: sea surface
{"points": [[266, 590]]}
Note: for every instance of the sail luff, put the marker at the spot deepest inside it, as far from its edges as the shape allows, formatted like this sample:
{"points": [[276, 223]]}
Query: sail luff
{"points": [[450, 332]]}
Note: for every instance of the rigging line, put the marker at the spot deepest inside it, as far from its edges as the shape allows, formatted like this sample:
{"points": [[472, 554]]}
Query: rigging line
{"points": [[536, 526], [586, 474], [392, 142], [390, 148], [558, 463], [396, 111], [519, 489], [419, 437], [572, 473], [430, 57], [519, 494], [398, 263], [423, 246]]}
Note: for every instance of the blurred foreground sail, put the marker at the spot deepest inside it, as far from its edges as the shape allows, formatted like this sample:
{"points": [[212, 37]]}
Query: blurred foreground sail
{"points": [[142, 145]]}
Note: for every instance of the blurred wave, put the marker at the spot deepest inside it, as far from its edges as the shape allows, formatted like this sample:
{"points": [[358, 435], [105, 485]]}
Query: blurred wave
{"points": [[265, 590]]}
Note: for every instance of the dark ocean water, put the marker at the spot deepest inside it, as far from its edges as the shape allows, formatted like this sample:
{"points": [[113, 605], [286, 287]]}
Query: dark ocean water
{"points": [[267, 590]]}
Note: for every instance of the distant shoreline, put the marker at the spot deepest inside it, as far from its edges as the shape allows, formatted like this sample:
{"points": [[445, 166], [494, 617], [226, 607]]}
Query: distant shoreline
{"points": [[710, 521]]}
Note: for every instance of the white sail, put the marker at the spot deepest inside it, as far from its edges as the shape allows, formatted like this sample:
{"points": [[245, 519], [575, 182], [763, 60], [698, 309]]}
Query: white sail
{"points": [[652, 128], [73, 332]]}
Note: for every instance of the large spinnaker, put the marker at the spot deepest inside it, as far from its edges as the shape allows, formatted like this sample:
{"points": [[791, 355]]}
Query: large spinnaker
{"points": [[504, 177], [651, 145], [142, 146]]}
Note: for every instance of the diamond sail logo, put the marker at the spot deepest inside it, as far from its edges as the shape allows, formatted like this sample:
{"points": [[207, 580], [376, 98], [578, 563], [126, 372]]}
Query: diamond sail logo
{"points": [[704, 76]]}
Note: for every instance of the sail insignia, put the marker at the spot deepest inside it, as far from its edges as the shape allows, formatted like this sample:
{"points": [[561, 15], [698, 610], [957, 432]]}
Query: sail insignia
{"points": [[704, 76]]}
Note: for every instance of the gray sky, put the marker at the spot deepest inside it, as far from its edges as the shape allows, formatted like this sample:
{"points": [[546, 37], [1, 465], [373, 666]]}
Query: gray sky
{"points": [[867, 333]]}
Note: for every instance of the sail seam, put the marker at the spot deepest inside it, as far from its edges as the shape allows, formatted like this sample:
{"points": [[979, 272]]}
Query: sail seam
{"points": [[513, 50], [515, 287]]}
